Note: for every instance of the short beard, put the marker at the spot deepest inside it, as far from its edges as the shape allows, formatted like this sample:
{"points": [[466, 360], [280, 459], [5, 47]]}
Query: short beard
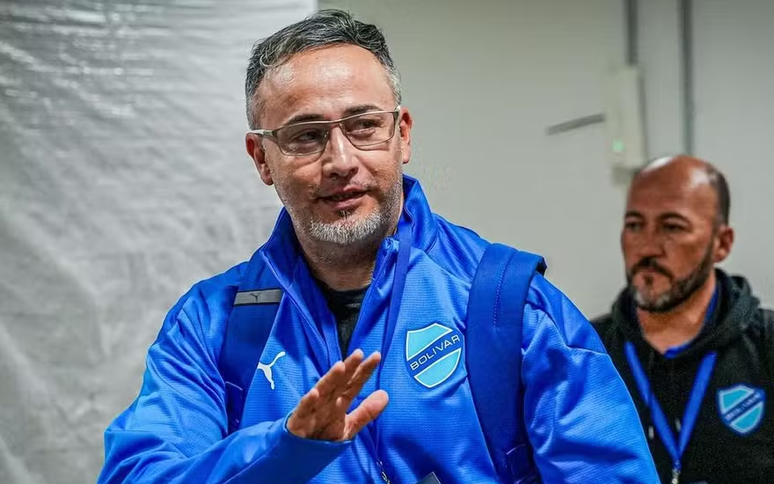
{"points": [[346, 231], [680, 291]]}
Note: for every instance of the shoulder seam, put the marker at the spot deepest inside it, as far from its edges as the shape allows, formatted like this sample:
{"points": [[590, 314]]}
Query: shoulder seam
{"points": [[533, 307]]}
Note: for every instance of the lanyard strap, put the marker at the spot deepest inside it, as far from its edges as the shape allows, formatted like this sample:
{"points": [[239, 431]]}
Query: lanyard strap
{"points": [[405, 241], [675, 449]]}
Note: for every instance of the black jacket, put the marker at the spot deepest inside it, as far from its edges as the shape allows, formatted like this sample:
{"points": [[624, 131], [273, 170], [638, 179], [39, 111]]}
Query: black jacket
{"points": [[719, 451]]}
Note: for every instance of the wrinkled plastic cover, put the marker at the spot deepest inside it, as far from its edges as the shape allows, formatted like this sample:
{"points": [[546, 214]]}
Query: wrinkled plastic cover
{"points": [[123, 180]]}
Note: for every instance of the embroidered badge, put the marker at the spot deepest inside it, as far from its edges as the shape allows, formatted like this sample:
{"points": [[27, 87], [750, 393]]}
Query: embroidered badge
{"points": [[741, 407], [433, 353]]}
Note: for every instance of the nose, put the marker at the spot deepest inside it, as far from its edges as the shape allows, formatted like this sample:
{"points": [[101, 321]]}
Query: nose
{"points": [[648, 243], [339, 158]]}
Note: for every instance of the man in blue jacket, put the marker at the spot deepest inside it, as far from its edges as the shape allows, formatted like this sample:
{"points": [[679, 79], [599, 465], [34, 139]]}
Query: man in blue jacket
{"points": [[361, 266]]}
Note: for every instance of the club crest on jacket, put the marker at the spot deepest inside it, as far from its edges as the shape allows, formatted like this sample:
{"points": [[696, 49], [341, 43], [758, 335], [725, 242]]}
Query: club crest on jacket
{"points": [[741, 407], [433, 353]]}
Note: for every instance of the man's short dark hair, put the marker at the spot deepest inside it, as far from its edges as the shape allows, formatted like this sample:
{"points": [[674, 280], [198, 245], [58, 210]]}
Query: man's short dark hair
{"points": [[720, 185], [716, 180], [324, 28]]}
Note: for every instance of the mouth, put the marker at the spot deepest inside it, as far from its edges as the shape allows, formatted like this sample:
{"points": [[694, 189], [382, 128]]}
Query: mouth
{"points": [[648, 278], [651, 272], [340, 197], [344, 201]]}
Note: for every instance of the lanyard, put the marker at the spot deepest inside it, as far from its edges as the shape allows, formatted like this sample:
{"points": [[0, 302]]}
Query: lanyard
{"points": [[405, 241], [675, 448], [405, 238]]}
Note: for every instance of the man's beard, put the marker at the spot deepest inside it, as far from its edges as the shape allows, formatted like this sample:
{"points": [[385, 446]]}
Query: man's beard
{"points": [[680, 290], [350, 230]]}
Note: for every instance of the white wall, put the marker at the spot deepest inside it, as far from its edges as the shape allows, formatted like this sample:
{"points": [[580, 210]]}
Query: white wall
{"points": [[734, 123], [658, 29], [484, 80], [733, 73]]}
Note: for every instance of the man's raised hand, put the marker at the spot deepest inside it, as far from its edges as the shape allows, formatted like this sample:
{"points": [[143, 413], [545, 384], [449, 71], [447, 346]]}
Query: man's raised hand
{"points": [[322, 412]]}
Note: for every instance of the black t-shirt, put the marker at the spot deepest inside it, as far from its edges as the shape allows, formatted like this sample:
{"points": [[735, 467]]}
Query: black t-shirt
{"points": [[345, 306]]}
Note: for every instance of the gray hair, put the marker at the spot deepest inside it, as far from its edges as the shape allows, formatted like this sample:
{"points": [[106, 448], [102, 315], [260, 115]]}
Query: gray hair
{"points": [[324, 28]]}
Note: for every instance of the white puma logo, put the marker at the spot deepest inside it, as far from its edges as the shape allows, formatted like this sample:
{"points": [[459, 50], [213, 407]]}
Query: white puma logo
{"points": [[266, 369]]}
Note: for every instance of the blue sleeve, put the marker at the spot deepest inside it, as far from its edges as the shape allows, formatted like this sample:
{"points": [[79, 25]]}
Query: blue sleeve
{"points": [[175, 431], [580, 418]]}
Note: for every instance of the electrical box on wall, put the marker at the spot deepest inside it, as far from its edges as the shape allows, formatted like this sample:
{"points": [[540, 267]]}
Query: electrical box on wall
{"points": [[624, 119]]}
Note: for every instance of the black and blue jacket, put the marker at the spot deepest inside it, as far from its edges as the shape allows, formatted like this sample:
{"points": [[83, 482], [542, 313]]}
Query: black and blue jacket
{"points": [[733, 437]]}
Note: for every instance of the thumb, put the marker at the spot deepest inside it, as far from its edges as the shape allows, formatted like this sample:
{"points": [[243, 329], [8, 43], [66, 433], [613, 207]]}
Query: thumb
{"points": [[365, 413]]}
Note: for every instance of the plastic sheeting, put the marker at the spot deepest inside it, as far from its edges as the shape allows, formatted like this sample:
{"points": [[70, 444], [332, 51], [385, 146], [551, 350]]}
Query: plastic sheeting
{"points": [[123, 181]]}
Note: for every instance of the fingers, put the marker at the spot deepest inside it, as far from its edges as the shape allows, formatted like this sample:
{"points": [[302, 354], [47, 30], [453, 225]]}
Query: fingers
{"points": [[307, 404], [322, 412], [331, 383], [322, 407], [360, 377], [368, 410]]}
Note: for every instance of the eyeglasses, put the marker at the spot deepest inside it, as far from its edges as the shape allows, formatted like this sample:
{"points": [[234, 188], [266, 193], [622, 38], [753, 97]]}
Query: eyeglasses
{"points": [[362, 130]]}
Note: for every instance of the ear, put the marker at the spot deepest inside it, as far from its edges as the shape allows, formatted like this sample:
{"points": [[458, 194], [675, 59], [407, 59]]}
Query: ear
{"points": [[405, 122], [256, 152], [724, 240]]}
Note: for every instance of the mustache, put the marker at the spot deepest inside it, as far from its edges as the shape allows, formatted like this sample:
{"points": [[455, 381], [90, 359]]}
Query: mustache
{"points": [[649, 263], [326, 191]]}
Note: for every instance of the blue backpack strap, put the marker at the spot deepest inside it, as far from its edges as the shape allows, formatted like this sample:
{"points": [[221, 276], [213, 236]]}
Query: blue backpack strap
{"points": [[493, 353], [249, 325]]}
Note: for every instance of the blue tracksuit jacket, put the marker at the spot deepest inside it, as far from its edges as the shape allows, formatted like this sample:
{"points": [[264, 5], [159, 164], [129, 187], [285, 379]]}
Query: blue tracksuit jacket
{"points": [[581, 421]]}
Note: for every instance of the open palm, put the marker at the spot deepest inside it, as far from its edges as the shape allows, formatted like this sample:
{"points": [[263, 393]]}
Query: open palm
{"points": [[322, 412]]}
